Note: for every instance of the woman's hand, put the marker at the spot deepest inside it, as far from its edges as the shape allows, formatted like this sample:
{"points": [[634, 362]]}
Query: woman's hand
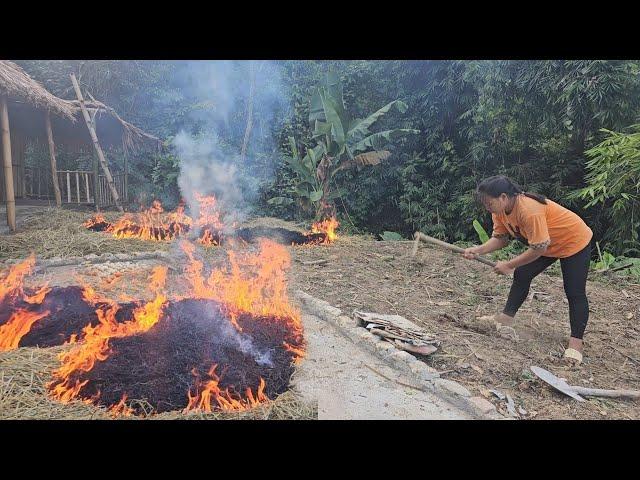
{"points": [[472, 252], [503, 268]]}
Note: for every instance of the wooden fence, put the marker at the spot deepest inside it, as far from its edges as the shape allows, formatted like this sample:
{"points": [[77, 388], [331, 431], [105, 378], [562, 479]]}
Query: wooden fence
{"points": [[76, 186]]}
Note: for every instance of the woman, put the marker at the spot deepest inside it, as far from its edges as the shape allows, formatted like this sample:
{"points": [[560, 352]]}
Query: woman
{"points": [[551, 232]]}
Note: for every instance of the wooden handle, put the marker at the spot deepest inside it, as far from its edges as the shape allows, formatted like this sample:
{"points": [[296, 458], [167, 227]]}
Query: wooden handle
{"points": [[598, 392], [419, 236]]}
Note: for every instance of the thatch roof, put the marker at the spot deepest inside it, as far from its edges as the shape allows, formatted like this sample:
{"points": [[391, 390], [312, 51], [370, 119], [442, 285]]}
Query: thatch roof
{"points": [[18, 85], [27, 98]]}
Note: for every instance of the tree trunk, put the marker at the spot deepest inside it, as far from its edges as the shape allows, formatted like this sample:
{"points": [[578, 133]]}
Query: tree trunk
{"points": [[96, 144], [8, 169], [247, 131], [52, 155]]}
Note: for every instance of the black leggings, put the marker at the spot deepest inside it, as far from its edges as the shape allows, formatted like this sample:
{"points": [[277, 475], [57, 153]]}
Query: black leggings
{"points": [[574, 276]]}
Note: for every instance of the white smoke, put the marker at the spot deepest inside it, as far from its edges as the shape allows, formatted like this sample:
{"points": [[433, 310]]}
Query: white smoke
{"points": [[210, 160]]}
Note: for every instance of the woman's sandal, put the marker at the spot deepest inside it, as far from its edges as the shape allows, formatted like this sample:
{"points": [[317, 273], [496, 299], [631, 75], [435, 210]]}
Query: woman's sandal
{"points": [[572, 356], [504, 331]]}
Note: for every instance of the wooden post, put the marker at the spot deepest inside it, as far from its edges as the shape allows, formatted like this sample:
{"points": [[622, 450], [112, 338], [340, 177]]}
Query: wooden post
{"points": [[52, 155], [96, 197], [8, 169], [68, 188], [86, 182], [126, 173], [94, 138]]}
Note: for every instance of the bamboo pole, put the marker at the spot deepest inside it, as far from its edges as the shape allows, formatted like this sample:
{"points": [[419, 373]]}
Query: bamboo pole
{"points": [[8, 168], [78, 186], [52, 155], [126, 183], [95, 183], [86, 182], [96, 144], [68, 188]]}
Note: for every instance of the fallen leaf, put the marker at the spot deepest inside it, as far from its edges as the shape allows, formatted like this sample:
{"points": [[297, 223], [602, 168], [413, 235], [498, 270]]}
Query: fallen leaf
{"points": [[477, 369]]}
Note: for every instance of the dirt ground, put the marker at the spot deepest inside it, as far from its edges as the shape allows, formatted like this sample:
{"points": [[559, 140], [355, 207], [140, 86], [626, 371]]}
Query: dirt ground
{"points": [[444, 293]]}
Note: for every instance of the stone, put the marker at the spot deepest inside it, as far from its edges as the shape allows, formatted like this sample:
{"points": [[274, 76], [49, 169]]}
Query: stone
{"points": [[452, 387], [400, 358], [344, 321], [483, 405], [384, 347]]}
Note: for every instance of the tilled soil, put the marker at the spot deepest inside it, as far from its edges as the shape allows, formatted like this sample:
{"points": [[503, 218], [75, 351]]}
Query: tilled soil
{"points": [[445, 293]]}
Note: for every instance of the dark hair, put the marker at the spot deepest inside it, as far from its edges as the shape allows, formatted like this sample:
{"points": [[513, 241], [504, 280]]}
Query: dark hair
{"points": [[498, 184]]}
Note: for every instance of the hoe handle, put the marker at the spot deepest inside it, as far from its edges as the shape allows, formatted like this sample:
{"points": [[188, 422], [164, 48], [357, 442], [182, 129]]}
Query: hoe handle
{"points": [[419, 236]]}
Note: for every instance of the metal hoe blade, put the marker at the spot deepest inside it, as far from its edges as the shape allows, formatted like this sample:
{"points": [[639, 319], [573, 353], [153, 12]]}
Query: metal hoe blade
{"points": [[555, 382]]}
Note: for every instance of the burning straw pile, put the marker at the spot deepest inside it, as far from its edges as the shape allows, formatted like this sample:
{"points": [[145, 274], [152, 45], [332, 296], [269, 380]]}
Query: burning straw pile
{"points": [[209, 229], [228, 345], [54, 232]]}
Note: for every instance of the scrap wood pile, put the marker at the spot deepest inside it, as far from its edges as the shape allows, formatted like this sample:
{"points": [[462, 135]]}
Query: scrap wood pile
{"points": [[397, 331]]}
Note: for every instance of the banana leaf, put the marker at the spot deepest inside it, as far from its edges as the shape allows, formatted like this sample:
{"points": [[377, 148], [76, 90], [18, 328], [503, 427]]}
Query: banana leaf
{"points": [[361, 127], [377, 140]]}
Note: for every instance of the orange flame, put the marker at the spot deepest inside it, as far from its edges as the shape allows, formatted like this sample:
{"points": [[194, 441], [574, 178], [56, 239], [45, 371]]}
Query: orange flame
{"points": [[328, 227], [95, 342], [121, 408], [223, 399], [95, 220], [20, 321], [252, 283], [17, 327], [155, 225]]}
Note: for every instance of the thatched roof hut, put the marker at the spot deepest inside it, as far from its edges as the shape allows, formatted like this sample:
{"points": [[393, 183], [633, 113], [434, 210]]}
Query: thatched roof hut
{"points": [[28, 100], [33, 114]]}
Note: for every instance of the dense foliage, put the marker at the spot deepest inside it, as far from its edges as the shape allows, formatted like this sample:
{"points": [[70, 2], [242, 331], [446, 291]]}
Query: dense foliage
{"points": [[538, 121]]}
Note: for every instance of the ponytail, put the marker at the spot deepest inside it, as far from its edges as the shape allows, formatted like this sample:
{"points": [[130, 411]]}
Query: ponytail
{"points": [[498, 184]]}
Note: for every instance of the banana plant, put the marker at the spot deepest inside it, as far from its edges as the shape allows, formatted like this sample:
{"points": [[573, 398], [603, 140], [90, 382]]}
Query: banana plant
{"points": [[342, 143]]}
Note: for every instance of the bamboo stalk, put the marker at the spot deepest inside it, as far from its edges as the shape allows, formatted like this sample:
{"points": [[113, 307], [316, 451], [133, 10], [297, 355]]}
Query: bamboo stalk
{"points": [[8, 168], [96, 144], [68, 188], [86, 184], [78, 186], [52, 156]]}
